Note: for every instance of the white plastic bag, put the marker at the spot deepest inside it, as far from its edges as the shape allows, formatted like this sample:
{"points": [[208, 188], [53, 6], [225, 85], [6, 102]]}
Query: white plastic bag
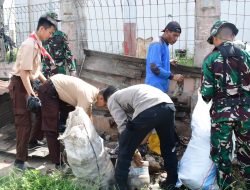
{"points": [[85, 150], [196, 169], [138, 177]]}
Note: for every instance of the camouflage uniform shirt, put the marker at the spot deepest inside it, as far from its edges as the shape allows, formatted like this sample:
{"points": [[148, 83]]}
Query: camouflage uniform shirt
{"points": [[57, 47], [212, 85]]}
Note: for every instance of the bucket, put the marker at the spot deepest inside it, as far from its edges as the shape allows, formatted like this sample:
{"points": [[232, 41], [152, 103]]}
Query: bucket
{"points": [[138, 177]]}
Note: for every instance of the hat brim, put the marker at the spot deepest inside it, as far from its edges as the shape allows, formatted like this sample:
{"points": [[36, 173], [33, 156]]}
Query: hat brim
{"points": [[210, 40], [230, 25], [169, 30]]}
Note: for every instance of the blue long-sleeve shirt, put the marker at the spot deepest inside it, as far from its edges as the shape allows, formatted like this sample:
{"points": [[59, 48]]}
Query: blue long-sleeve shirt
{"points": [[158, 65]]}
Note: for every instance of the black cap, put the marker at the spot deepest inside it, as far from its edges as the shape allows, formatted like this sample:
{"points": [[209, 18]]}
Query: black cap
{"points": [[173, 26], [108, 92]]}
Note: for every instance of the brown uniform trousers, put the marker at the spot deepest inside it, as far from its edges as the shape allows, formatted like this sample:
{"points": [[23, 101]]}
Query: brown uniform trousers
{"points": [[25, 128], [51, 106]]}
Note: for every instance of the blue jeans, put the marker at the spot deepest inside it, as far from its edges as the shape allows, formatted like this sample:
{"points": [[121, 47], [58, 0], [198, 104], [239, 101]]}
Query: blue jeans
{"points": [[161, 118]]}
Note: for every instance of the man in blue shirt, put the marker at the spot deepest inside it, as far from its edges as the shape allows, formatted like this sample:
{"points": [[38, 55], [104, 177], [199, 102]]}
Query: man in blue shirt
{"points": [[158, 71]]}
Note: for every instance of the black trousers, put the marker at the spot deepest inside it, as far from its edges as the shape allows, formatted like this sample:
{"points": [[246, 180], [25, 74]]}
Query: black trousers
{"points": [[161, 117]]}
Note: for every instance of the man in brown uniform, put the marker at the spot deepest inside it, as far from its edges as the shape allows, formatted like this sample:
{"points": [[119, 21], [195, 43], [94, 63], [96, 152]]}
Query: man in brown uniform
{"points": [[26, 69], [57, 90]]}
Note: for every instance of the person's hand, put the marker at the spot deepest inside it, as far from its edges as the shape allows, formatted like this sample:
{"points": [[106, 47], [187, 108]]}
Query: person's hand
{"points": [[137, 159], [174, 62], [178, 77], [33, 93], [33, 104]]}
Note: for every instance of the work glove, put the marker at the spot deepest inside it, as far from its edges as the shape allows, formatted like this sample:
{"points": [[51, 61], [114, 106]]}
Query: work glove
{"points": [[36, 84], [33, 104]]}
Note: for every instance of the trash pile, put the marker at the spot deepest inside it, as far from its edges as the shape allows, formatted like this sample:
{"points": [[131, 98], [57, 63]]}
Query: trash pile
{"points": [[90, 159]]}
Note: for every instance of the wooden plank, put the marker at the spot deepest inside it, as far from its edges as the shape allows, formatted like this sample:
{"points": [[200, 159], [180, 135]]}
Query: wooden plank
{"points": [[39, 152], [5, 69], [8, 142], [4, 87], [6, 113], [114, 56], [194, 72], [114, 67], [7, 136], [104, 79]]}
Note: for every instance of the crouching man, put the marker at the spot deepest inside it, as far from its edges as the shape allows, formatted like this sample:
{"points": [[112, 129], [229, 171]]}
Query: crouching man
{"points": [[55, 92], [137, 110]]}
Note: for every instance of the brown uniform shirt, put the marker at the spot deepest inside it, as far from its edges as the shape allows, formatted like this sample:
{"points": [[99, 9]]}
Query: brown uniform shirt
{"points": [[74, 91], [28, 58]]}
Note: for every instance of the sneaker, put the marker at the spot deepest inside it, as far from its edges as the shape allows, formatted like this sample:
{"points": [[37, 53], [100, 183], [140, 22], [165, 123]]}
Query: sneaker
{"points": [[64, 168], [22, 166], [35, 145]]}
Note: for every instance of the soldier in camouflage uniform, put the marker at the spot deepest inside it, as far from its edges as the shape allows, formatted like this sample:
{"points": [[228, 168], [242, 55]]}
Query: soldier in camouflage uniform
{"points": [[57, 47], [226, 81]]}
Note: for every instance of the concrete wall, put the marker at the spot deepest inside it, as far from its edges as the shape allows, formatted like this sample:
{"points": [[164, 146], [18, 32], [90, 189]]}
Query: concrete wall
{"points": [[2, 50], [207, 12], [74, 24]]}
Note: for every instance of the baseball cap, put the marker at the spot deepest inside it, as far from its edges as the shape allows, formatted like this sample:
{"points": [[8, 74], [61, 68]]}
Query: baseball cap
{"points": [[173, 26], [217, 26]]}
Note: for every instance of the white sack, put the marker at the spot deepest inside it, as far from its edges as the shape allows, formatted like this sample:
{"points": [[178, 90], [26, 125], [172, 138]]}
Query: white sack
{"points": [[196, 169], [85, 150]]}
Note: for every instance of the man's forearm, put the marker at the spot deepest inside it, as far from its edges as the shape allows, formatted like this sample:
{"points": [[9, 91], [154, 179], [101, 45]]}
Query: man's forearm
{"points": [[26, 82], [42, 77]]}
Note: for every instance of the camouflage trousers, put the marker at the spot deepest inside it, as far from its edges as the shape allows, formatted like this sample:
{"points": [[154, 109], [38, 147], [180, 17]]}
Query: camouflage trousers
{"points": [[221, 151]]}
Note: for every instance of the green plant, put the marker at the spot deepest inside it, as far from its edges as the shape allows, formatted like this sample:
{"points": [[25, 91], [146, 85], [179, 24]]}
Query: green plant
{"points": [[11, 55], [35, 180], [187, 61]]}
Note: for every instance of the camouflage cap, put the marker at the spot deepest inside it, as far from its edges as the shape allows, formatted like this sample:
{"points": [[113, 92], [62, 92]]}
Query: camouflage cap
{"points": [[52, 17], [218, 25]]}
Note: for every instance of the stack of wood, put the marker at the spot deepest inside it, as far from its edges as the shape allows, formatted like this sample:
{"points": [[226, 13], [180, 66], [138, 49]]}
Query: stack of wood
{"points": [[4, 87]]}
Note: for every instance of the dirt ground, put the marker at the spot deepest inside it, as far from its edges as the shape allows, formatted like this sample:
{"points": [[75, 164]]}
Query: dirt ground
{"points": [[40, 163], [38, 158]]}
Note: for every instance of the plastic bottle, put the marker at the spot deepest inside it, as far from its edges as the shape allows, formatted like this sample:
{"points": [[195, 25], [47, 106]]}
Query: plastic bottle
{"points": [[138, 177]]}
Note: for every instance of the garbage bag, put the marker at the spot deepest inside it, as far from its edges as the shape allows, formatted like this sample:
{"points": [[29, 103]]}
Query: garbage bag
{"points": [[85, 150], [196, 169]]}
